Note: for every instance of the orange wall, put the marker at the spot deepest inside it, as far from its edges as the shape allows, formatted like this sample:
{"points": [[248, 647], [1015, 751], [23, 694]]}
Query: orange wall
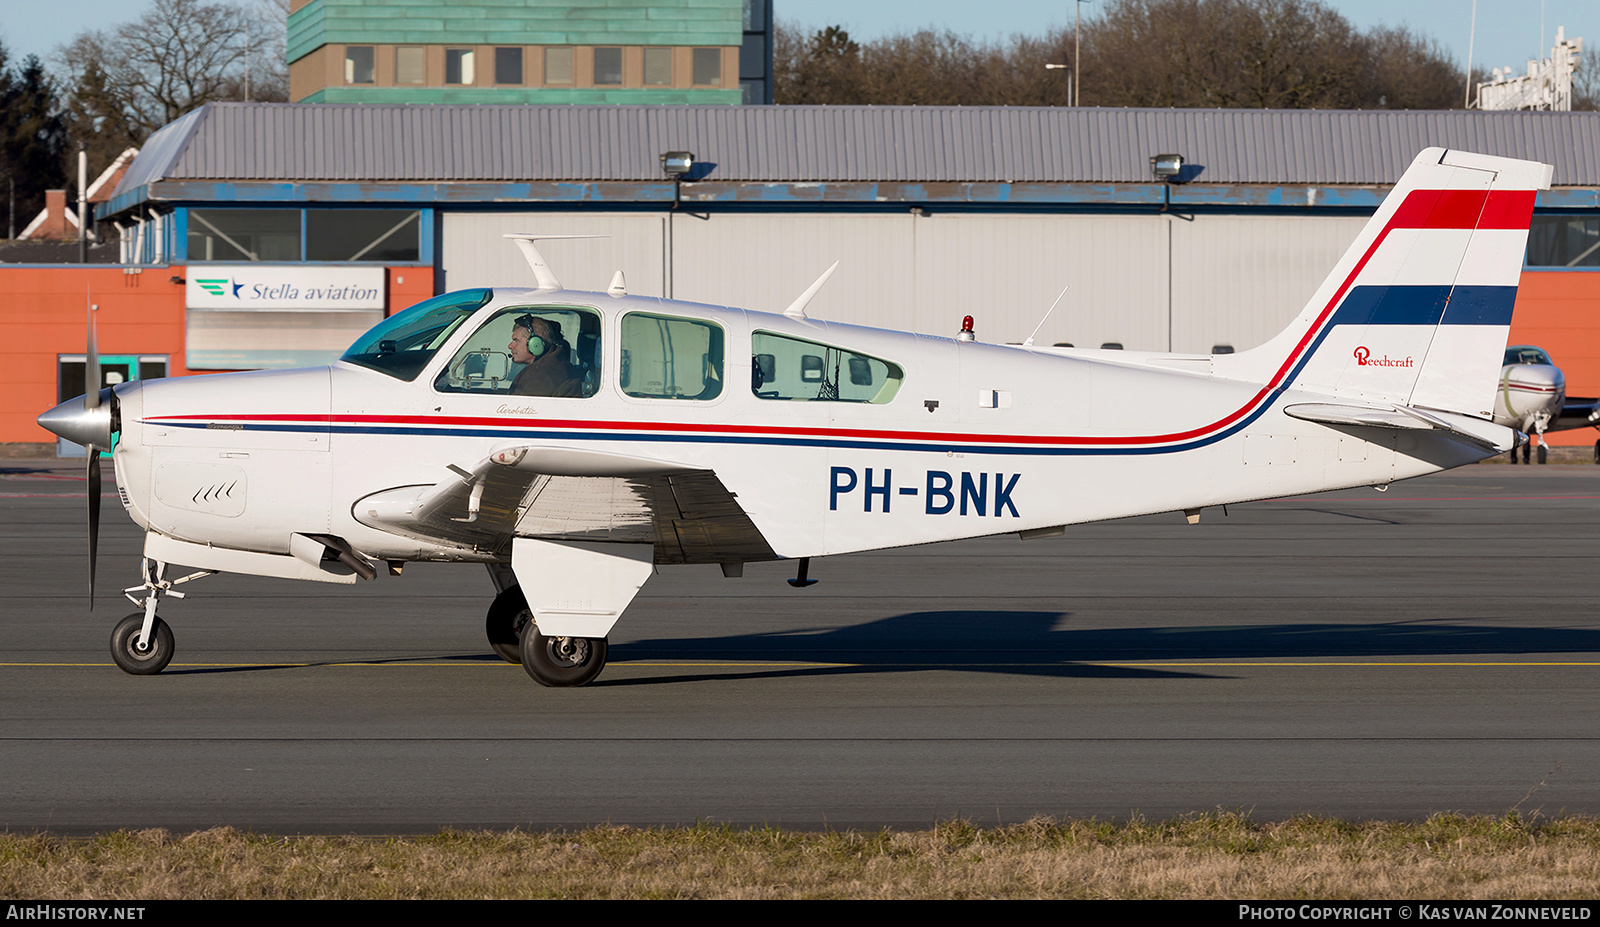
{"points": [[44, 313], [43, 310], [1560, 312]]}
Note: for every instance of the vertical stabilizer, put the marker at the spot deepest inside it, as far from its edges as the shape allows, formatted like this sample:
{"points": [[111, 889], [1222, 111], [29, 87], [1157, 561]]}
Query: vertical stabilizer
{"points": [[1418, 310]]}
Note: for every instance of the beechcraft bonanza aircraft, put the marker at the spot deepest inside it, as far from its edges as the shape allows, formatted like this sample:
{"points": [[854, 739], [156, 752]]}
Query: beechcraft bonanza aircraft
{"points": [[1532, 397], [661, 432]]}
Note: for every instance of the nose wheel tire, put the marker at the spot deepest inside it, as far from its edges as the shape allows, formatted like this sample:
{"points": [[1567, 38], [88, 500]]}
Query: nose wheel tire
{"points": [[146, 661], [508, 615], [562, 661]]}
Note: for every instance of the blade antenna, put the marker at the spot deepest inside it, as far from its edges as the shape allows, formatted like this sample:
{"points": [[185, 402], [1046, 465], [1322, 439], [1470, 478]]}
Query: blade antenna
{"points": [[797, 309], [1046, 318], [542, 274]]}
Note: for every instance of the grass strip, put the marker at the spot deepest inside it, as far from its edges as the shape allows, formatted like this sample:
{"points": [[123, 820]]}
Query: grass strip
{"points": [[1196, 856]]}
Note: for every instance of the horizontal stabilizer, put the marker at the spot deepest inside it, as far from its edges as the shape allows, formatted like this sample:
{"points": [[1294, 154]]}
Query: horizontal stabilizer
{"points": [[1477, 431]]}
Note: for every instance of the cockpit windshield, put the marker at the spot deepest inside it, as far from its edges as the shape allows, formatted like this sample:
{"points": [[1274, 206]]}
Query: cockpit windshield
{"points": [[402, 344], [1525, 354]]}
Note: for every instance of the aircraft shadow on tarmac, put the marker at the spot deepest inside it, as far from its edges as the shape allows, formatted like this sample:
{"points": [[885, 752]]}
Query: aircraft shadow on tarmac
{"points": [[1037, 643], [1034, 643]]}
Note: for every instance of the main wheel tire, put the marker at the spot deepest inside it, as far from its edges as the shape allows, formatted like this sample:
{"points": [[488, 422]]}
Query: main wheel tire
{"points": [[562, 661], [125, 646], [508, 615]]}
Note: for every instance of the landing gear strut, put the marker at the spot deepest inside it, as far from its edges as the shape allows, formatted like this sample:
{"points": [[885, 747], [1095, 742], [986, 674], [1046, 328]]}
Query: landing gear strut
{"points": [[142, 643]]}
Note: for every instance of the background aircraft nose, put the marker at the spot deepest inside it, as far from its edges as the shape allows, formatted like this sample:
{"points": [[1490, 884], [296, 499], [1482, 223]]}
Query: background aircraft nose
{"points": [[72, 421], [1536, 377]]}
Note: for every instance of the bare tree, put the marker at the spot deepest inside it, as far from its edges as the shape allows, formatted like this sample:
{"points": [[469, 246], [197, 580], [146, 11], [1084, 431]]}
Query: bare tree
{"points": [[1586, 82], [1202, 53], [126, 82]]}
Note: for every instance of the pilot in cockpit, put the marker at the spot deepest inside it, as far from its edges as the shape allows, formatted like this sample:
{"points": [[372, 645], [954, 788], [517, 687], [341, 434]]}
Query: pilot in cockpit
{"points": [[537, 343]]}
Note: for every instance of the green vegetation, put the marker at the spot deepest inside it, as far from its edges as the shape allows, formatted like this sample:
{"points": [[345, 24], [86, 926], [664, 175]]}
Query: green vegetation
{"points": [[1198, 856]]}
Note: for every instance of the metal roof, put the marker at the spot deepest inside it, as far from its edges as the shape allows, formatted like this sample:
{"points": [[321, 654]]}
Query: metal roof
{"points": [[278, 142]]}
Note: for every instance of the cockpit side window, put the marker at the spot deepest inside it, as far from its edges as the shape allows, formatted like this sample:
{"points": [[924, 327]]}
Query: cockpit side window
{"points": [[529, 351], [402, 344], [797, 370], [668, 357]]}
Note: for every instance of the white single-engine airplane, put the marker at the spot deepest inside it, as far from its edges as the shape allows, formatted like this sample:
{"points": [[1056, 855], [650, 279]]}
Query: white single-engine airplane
{"points": [[573, 442], [1532, 397]]}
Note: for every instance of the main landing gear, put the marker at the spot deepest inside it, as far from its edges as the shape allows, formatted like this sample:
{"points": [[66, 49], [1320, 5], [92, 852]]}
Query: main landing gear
{"points": [[551, 661], [141, 643]]}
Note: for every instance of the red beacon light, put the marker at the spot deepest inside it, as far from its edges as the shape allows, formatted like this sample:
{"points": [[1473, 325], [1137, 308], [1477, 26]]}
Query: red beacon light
{"points": [[966, 330]]}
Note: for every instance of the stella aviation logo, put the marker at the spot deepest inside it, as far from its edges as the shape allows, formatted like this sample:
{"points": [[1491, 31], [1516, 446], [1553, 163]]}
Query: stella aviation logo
{"points": [[1364, 358], [219, 286]]}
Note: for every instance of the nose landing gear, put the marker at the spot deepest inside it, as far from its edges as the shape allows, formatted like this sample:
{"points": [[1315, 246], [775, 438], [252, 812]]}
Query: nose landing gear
{"points": [[139, 653], [141, 643]]}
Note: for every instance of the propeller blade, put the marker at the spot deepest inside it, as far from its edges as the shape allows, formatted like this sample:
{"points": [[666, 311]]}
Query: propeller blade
{"points": [[91, 400], [94, 515], [91, 367]]}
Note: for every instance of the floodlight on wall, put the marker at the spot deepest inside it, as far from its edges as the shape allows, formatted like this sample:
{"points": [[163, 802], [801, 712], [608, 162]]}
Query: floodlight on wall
{"points": [[677, 163], [1166, 166]]}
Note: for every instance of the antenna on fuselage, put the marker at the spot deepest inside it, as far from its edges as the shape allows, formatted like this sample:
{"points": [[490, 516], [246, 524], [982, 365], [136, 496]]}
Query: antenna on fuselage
{"points": [[1029, 342], [797, 309], [542, 273]]}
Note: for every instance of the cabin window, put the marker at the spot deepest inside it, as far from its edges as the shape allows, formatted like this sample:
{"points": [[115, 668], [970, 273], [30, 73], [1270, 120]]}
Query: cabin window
{"points": [[402, 344], [529, 351], [794, 369], [667, 357]]}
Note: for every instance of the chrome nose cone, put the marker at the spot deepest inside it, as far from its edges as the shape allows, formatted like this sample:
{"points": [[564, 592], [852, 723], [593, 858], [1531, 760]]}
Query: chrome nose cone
{"points": [[72, 421]]}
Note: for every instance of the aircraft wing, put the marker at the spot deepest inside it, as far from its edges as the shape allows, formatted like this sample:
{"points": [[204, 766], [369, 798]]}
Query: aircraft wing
{"points": [[573, 494], [1576, 413]]}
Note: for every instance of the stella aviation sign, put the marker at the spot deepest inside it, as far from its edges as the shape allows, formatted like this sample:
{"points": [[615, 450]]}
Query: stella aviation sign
{"points": [[254, 286]]}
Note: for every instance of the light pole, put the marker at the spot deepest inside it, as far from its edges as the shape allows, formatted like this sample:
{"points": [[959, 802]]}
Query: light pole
{"points": [[1077, 49]]}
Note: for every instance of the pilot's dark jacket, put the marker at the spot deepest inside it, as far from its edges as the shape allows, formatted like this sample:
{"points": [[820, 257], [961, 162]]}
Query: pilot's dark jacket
{"points": [[549, 374]]}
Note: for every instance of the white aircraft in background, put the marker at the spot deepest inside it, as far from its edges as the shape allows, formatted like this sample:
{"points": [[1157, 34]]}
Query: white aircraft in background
{"points": [[1532, 397], [686, 433]]}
